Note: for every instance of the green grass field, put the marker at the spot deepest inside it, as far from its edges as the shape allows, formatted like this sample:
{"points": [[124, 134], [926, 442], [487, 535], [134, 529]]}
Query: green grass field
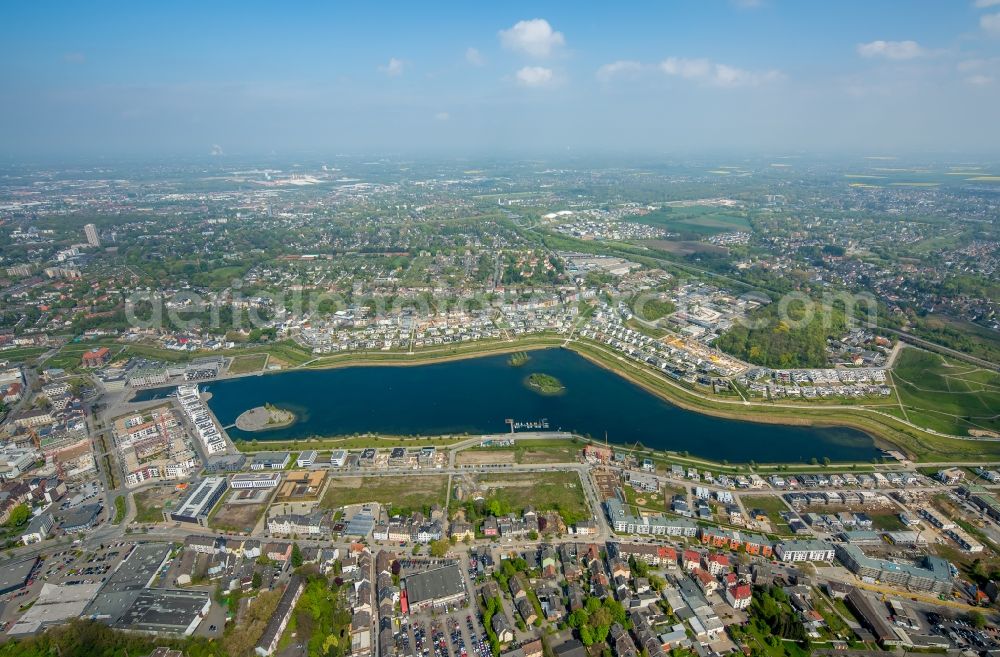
{"points": [[772, 506], [545, 491], [404, 494], [286, 351], [246, 364], [696, 222], [947, 395], [155, 353], [22, 354], [887, 522]]}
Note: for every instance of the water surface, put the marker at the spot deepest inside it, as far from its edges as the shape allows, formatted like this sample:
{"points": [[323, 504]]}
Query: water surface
{"points": [[476, 395]]}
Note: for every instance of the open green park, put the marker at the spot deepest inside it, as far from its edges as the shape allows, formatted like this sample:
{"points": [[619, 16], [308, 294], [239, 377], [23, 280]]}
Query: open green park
{"points": [[947, 395]]}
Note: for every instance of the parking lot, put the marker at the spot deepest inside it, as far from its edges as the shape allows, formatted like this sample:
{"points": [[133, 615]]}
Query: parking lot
{"points": [[68, 567], [457, 634]]}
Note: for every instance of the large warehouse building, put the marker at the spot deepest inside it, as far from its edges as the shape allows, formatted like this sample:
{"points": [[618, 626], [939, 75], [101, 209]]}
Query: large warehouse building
{"points": [[199, 503], [436, 588]]}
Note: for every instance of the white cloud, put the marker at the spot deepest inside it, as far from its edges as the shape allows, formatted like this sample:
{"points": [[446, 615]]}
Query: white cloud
{"points": [[990, 23], [622, 67], [979, 80], [983, 4], [534, 37], [442, 116], [720, 75], [393, 68], [692, 69], [474, 57], [535, 76], [895, 50], [979, 72]]}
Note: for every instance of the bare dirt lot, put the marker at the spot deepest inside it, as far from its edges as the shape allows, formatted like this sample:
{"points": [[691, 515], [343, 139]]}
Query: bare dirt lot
{"points": [[237, 517], [606, 481]]}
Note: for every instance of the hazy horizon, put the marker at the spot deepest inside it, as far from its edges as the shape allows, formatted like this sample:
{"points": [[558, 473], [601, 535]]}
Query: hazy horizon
{"points": [[726, 77]]}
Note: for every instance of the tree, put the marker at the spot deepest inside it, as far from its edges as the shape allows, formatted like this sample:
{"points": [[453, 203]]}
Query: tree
{"points": [[439, 548], [976, 619], [256, 581], [296, 555], [19, 515]]}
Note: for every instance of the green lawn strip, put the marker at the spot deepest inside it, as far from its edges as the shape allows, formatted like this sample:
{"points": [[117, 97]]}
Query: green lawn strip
{"points": [[346, 442], [119, 510]]}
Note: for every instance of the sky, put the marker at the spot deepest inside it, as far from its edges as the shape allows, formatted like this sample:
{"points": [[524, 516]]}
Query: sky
{"points": [[667, 77]]}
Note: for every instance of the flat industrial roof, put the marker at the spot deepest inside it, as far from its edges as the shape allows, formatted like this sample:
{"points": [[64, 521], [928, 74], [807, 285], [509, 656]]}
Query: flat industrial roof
{"points": [[168, 611], [80, 516], [435, 584], [14, 575], [255, 476], [139, 568], [56, 603], [193, 504]]}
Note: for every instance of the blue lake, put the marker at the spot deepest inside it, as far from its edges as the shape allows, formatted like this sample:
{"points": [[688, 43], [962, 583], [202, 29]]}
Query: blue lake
{"points": [[477, 395]]}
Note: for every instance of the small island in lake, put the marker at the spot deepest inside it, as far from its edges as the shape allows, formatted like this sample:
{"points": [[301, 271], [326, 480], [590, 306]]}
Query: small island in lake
{"points": [[518, 359], [264, 418], [545, 384]]}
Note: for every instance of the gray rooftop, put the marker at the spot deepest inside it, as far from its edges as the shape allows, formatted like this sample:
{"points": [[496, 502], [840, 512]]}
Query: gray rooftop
{"points": [[14, 575], [163, 611], [434, 584]]}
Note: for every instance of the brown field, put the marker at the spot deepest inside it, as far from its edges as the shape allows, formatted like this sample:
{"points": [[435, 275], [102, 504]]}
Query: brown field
{"points": [[606, 481], [237, 517], [484, 456]]}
